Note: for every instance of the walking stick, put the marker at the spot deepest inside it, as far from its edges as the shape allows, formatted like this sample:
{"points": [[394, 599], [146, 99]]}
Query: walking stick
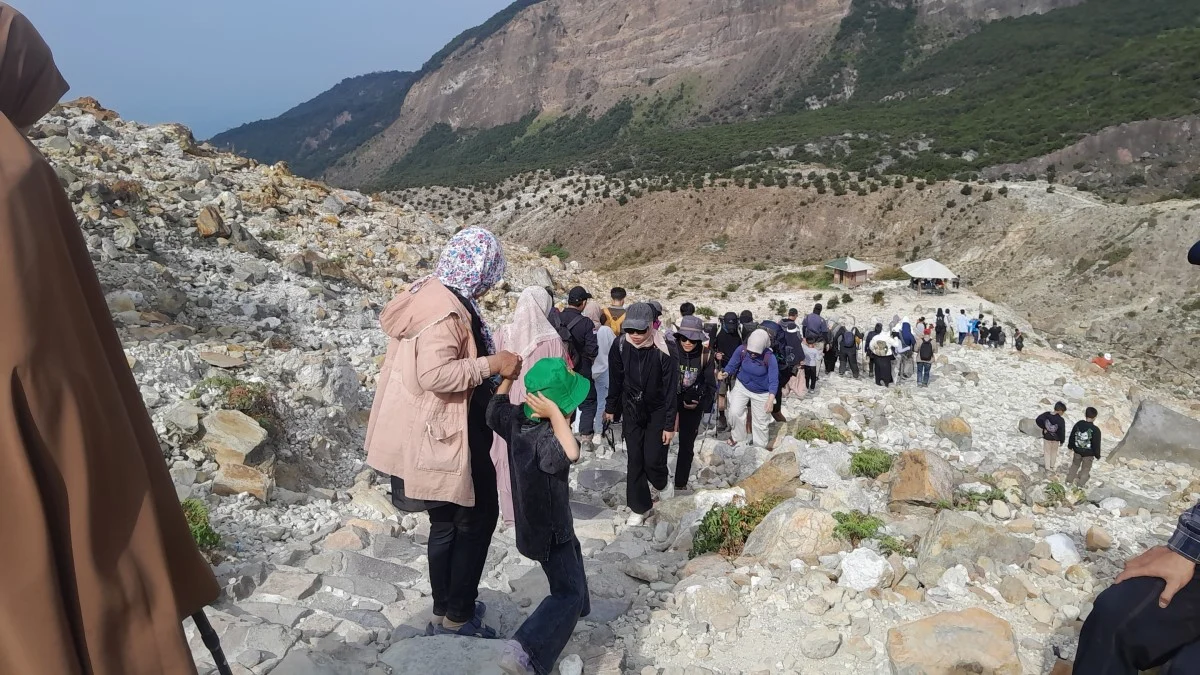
{"points": [[209, 636]]}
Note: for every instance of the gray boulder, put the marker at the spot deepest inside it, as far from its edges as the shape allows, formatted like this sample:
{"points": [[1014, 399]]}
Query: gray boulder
{"points": [[1159, 433], [957, 537]]}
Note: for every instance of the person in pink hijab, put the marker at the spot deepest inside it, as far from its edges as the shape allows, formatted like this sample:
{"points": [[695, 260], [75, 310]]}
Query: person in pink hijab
{"points": [[531, 337]]}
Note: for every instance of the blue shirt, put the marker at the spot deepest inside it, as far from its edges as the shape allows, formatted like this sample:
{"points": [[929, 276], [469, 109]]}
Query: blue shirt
{"points": [[760, 375]]}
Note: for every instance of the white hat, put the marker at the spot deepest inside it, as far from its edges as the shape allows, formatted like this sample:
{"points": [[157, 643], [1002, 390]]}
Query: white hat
{"points": [[1108, 357]]}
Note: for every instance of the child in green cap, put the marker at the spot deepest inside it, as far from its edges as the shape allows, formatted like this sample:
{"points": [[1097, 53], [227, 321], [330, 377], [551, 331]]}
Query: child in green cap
{"points": [[541, 449]]}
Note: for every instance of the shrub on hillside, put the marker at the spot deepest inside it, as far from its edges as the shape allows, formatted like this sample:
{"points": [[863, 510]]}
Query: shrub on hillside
{"points": [[196, 515], [855, 526], [870, 463], [554, 250], [725, 529], [891, 273], [877, 298]]}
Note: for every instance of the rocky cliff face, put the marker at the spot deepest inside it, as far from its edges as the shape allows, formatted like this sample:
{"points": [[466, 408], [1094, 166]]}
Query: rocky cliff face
{"points": [[563, 55]]}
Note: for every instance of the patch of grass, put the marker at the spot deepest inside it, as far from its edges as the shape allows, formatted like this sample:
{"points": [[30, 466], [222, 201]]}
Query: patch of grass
{"points": [[706, 312], [969, 500], [815, 279], [252, 398], [889, 545], [759, 267], [732, 287], [855, 526], [196, 514], [554, 249], [825, 432], [833, 303], [943, 505], [1191, 306], [877, 298], [891, 273], [1117, 255], [1056, 493], [725, 529], [671, 269], [870, 462], [846, 299], [779, 307]]}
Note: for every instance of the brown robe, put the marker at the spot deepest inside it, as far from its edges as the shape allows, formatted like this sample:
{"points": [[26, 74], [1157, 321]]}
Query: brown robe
{"points": [[97, 567]]}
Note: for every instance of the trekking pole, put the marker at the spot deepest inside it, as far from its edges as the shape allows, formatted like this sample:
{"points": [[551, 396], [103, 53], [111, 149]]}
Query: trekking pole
{"points": [[209, 636]]}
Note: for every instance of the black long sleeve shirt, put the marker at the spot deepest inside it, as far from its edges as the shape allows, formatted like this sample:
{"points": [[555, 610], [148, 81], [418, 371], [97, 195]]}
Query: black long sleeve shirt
{"points": [[647, 375]]}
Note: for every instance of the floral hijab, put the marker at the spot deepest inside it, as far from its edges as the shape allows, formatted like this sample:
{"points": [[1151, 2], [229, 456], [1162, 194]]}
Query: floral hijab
{"points": [[472, 264]]}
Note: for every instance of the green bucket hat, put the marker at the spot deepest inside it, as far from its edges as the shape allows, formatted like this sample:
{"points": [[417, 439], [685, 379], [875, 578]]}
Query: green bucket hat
{"points": [[554, 380]]}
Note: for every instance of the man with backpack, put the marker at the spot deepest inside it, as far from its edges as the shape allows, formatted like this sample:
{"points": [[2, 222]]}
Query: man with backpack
{"points": [[579, 338], [939, 328], [724, 343], [613, 316], [1084, 441], [925, 353], [848, 348], [789, 355], [814, 328]]}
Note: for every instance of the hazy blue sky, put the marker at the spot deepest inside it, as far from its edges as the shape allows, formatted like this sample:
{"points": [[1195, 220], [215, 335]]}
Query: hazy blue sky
{"points": [[215, 64]]}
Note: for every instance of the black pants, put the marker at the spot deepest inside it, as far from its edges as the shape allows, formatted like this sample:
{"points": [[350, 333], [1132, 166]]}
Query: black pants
{"points": [[647, 462], [587, 412], [459, 537], [941, 338], [831, 358], [870, 365], [849, 359], [547, 631], [1127, 631], [689, 428], [810, 377], [785, 376]]}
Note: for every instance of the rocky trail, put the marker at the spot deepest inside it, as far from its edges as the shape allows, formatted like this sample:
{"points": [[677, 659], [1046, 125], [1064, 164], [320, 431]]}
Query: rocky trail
{"points": [[248, 301]]}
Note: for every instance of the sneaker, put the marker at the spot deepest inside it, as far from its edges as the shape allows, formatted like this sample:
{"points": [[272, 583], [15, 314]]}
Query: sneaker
{"points": [[473, 628], [586, 447], [513, 660], [635, 520]]}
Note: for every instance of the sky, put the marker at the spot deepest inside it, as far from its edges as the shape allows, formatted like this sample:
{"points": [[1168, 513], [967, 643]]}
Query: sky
{"points": [[216, 64]]}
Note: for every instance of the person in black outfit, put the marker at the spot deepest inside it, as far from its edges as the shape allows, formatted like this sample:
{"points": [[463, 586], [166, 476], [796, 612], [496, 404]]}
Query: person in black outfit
{"points": [[939, 328], [583, 339], [847, 346], [697, 390], [726, 341], [643, 392], [1084, 441], [867, 348], [749, 325]]}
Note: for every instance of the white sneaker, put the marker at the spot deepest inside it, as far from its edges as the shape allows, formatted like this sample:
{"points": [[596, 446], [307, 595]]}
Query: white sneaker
{"points": [[635, 520]]}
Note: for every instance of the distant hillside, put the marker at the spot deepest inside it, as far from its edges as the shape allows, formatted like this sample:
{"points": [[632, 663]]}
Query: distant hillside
{"points": [[316, 133], [1015, 89]]}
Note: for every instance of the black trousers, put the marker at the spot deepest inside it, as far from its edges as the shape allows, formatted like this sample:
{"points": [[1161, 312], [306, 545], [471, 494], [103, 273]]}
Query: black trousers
{"points": [[941, 338], [810, 377], [547, 631], [1127, 631], [587, 412], [459, 538], [849, 359], [689, 429], [831, 358], [785, 376], [647, 460]]}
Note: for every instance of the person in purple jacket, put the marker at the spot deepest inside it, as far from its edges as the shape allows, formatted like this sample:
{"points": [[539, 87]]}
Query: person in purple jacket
{"points": [[1150, 616], [755, 373]]}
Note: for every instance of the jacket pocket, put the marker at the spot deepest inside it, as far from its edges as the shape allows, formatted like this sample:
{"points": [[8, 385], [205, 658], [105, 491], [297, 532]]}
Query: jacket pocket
{"points": [[441, 449]]}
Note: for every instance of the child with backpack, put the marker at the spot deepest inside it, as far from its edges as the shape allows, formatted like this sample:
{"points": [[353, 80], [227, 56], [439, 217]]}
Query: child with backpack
{"points": [[1019, 340], [1054, 433], [926, 350], [643, 392], [541, 450], [1085, 443]]}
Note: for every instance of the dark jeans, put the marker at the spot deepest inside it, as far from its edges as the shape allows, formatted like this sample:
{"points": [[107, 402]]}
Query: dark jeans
{"points": [[923, 370], [941, 338], [547, 631], [689, 428], [962, 337], [587, 412], [1127, 631], [459, 537], [810, 377], [647, 462], [849, 360]]}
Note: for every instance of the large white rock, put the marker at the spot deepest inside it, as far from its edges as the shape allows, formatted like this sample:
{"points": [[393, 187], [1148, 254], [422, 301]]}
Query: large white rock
{"points": [[863, 569], [1063, 550]]}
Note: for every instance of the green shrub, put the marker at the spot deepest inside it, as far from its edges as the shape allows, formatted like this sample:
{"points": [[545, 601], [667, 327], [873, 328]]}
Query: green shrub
{"points": [[889, 545], [252, 398], [870, 462], [877, 298], [732, 287], [833, 303], [855, 526], [846, 299], [706, 312], [271, 235], [818, 296], [196, 514], [824, 432], [725, 529], [1056, 493], [671, 269], [969, 500], [760, 267], [814, 279], [554, 249], [892, 273]]}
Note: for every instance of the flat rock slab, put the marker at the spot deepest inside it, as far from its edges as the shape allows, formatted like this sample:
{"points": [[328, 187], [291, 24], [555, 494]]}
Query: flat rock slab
{"points": [[600, 480], [583, 511], [970, 641], [301, 662], [445, 655], [222, 360], [1159, 433]]}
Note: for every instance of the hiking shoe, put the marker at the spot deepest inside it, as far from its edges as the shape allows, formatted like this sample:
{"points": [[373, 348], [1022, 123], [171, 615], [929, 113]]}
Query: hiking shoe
{"points": [[635, 520], [586, 447]]}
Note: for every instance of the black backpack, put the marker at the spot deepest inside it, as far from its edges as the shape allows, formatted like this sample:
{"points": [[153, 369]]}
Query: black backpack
{"points": [[563, 328], [941, 325], [849, 340], [787, 350], [926, 352]]}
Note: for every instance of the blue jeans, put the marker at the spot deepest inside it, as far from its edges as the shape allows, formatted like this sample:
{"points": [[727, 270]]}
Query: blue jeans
{"points": [[1127, 631], [601, 382], [547, 631], [962, 337], [923, 370]]}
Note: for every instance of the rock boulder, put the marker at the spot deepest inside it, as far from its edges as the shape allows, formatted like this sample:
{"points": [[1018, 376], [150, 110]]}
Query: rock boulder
{"points": [[970, 641], [956, 430], [793, 530], [920, 480], [1159, 433], [779, 476], [957, 536]]}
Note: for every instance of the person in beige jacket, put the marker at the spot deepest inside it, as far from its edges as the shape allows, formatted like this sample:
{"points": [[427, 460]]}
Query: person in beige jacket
{"points": [[428, 428]]}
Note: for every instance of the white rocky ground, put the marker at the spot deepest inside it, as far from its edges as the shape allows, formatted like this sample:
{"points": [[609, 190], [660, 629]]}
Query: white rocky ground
{"points": [[322, 576]]}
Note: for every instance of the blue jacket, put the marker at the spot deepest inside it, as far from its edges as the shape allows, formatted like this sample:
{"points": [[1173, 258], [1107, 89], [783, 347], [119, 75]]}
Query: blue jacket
{"points": [[758, 374]]}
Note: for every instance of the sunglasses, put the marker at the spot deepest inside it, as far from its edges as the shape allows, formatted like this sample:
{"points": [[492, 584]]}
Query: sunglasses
{"points": [[688, 340], [634, 331]]}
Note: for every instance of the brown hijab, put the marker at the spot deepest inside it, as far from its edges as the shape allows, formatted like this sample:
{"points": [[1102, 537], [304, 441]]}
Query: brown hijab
{"points": [[99, 567]]}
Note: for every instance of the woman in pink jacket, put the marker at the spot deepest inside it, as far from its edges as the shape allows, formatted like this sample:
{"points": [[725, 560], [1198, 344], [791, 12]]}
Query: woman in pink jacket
{"points": [[428, 427], [531, 337]]}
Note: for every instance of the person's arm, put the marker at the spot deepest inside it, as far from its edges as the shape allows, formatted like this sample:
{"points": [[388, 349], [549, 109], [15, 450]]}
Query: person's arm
{"points": [[1041, 421], [1062, 431], [591, 348], [735, 361], [709, 377], [670, 386], [1096, 442], [551, 456], [441, 368], [616, 381], [500, 411], [772, 377], [1071, 439]]}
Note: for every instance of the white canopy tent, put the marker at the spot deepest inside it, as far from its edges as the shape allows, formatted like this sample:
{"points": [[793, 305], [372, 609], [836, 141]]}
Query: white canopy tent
{"points": [[928, 269]]}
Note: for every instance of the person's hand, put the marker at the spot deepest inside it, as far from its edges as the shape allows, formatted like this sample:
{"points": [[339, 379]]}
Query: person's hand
{"points": [[507, 365], [609, 417], [543, 408], [770, 407], [722, 375], [667, 436], [1161, 562]]}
